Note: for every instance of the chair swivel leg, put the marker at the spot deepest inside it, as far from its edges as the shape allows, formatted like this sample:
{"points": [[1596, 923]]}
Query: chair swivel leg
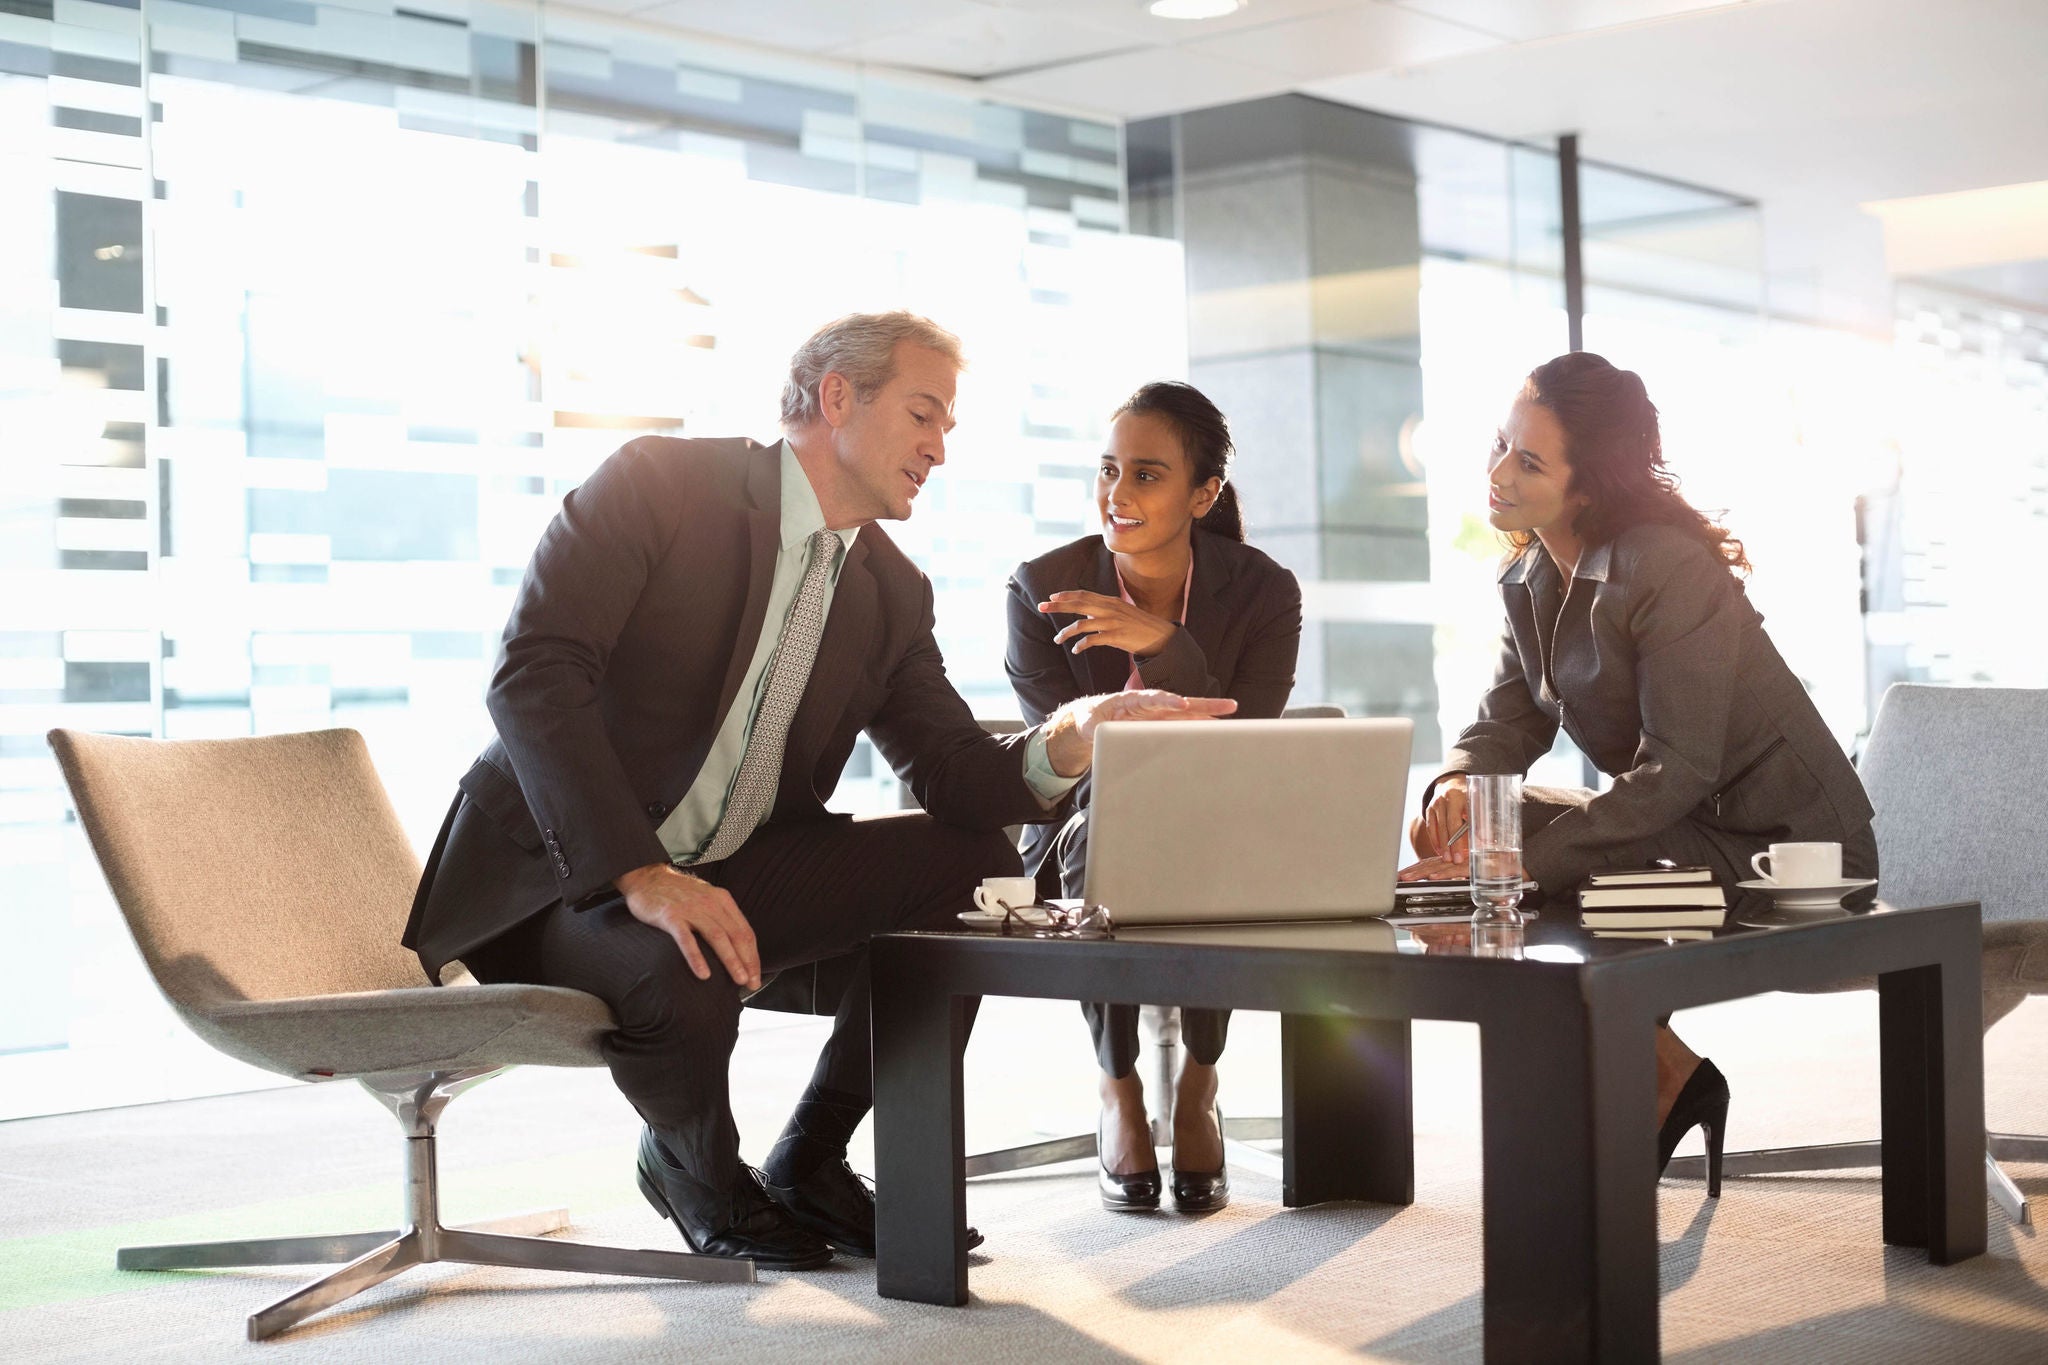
{"points": [[1847, 1156], [338, 1247], [371, 1258], [425, 1241], [2004, 1193]]}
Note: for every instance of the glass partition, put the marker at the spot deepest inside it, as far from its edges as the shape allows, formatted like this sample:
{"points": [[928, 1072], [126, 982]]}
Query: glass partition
{"points": [[1954, 525], [306, 329]]}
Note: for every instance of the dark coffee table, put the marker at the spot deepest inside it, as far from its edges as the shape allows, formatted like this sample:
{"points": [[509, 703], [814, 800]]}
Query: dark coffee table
{"points": [[1568, 1083]]}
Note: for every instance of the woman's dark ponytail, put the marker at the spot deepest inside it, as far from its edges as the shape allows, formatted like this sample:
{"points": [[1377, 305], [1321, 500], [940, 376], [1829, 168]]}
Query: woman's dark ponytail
{"points": [[1223, 517], [1205, 436]]}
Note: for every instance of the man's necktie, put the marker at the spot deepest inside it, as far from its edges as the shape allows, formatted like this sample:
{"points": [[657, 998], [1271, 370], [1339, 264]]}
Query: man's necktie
{"points": [[753, 787]]}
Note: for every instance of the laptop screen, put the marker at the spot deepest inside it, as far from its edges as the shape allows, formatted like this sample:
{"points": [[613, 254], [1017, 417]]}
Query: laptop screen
{"points": [[1243, 820]]}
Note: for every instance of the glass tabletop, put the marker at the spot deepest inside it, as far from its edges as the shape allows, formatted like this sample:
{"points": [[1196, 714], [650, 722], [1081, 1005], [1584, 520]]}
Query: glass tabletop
{"points": [[1553, 934]]}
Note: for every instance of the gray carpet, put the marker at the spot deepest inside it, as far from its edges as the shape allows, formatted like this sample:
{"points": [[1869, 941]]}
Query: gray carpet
{"points": [[1781, 1269]]}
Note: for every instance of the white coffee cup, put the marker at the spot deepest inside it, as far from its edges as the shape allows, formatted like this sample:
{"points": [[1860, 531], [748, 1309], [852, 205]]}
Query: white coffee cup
{"points": [[1800, 864], [996, 894]]}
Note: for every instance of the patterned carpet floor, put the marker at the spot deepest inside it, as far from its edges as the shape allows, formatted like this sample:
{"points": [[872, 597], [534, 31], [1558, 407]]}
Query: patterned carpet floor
{"points": [[1787, 1268]]}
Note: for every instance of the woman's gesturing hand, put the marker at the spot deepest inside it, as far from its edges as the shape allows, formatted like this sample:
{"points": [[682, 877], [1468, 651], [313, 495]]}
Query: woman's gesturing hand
{"points": [[1107, 621]]}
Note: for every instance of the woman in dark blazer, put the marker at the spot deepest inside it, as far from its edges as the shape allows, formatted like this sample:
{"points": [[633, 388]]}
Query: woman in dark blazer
{"points": [[1628, 627], [1168, 596]]}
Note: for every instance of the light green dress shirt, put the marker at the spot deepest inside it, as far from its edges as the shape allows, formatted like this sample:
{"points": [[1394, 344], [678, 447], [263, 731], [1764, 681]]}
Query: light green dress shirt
{"points": [[689, 827]]}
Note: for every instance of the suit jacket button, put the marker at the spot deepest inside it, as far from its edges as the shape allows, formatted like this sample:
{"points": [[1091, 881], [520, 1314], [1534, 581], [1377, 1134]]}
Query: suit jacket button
{"points": [[655, 810]]}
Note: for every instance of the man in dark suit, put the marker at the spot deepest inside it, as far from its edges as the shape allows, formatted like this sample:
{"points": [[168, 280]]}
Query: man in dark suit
{"points": [[702, 632]]}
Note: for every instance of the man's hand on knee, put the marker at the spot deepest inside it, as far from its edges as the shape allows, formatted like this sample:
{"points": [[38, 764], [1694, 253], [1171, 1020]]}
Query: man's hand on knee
{"points": [[688, 908]]}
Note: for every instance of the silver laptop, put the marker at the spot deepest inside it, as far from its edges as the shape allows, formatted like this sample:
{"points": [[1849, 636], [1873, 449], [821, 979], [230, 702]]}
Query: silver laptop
{"points": [[1242, 820]]}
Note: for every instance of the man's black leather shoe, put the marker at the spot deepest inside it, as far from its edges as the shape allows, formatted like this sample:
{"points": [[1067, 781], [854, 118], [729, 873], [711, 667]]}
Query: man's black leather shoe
{"points": [[739, 1221], [837, 1205]]}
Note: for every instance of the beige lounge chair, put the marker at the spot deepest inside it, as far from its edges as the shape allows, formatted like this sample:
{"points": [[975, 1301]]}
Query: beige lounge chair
{"points": [[266, 882]]}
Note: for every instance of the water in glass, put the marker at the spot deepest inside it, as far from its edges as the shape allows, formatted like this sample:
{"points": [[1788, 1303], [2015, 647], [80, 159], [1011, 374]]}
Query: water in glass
{"points": [[1495, 800]]}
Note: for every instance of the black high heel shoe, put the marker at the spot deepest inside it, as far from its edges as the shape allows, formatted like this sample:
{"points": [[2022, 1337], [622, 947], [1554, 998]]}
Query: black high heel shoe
{"points": [[1137, 1192], [1702, 1101], [1202, 1191]]}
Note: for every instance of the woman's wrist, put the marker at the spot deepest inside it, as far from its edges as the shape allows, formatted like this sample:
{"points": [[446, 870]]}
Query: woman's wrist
{"points": [[1430, 792], [1156, 648]]}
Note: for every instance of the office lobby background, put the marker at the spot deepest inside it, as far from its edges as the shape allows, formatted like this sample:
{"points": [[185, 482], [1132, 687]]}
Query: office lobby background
{"points": [[311, 312]]}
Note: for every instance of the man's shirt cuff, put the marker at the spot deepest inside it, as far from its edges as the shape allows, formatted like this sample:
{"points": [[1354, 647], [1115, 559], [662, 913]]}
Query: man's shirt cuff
{"points": [[1047, 785]]}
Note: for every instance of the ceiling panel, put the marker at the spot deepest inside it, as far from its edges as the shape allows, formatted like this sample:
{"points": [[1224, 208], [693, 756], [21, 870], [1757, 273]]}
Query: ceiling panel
{"points": [[1522, 20], [1969, 230], [1370, 37], [1141, 84], [1854, 99], [1134, 20], [610, 6], [980, 40], [800, 25]]}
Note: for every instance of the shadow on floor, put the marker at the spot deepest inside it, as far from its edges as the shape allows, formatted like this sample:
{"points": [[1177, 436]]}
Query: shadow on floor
{"points": [[1221, 1272]]}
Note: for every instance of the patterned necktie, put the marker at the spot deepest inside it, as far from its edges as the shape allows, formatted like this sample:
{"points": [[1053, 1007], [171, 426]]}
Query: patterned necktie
{"points": [[753, 786]]}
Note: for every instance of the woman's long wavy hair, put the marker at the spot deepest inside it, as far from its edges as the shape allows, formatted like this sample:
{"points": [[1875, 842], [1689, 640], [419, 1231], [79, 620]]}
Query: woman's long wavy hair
{"points": [[1617, 456]]}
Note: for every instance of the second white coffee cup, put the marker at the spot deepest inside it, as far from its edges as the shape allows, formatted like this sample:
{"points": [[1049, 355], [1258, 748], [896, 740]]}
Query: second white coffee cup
{"points": [[996, 894], [1800, 864]]}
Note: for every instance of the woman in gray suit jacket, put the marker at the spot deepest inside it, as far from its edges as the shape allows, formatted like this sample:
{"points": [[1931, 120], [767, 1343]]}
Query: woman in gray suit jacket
{"points": [[1153, 602], [1628, 627]]}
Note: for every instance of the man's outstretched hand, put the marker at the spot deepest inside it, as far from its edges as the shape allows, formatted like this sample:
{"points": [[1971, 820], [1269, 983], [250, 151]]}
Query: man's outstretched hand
{"points": [[1070, 733], [688, 908]]}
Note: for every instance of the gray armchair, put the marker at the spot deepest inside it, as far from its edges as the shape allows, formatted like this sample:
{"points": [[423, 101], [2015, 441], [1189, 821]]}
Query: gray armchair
{"points": [[266, 882], [1956, 776]]}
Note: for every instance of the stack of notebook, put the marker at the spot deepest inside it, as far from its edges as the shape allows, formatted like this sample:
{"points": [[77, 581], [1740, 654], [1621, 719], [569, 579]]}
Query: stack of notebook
{"points": [[1652, 902]]}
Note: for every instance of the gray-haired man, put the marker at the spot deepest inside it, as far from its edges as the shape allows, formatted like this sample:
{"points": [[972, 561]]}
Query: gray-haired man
{"points": [[702, 632]]}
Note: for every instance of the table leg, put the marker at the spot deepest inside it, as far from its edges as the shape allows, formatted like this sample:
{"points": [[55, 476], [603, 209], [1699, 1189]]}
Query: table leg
{"points": [[1568, 1096], [920, 1140], [1348, 1110], [1930, 1022]]}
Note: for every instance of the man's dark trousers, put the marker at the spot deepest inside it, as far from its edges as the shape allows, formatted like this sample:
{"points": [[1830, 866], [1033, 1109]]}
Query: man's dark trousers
{"points": [[814, 891]]}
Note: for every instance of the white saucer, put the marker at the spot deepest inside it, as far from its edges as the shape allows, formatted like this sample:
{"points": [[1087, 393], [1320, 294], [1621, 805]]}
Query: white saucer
{"points": [[1821, 896], [1033, 915]]}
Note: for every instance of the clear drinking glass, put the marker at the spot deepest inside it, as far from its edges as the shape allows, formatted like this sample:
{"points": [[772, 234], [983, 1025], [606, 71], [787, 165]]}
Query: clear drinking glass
{"points": [[1495, 939], [1495, 800]]}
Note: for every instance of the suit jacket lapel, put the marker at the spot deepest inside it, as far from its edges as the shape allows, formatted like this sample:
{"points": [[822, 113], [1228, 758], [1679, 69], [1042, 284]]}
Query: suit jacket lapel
{"points": [[764, 534], [1208, 618], [1545, 593], [1101, 669]]}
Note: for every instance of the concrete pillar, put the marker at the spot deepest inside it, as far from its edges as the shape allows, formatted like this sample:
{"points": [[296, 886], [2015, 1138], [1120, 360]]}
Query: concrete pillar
{"points": [[1303, 246]]}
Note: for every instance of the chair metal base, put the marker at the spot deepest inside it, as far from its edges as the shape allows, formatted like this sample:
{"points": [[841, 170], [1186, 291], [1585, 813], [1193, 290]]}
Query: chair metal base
{"points": [[374, 1257], [1844, 1156], [1049, 1153], [1081, 1146]]}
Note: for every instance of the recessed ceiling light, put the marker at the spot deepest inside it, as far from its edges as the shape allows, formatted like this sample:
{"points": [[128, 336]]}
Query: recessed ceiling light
{"points": [[1194, 9]]}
